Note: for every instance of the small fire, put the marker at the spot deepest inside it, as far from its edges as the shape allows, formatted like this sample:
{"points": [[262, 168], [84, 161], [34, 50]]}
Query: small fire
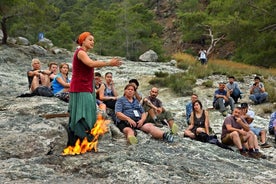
{"points": [[99, 129]]}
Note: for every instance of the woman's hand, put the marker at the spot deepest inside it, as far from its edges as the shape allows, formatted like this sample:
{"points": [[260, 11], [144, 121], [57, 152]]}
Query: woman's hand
{"points": [[115, 62]]}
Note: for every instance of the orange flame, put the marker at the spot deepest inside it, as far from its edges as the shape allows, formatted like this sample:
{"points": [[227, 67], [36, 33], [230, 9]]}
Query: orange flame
{"points": [[99, 129]]}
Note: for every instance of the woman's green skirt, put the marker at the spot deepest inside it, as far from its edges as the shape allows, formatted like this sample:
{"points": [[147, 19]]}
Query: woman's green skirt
{"points": [[82, 109]]}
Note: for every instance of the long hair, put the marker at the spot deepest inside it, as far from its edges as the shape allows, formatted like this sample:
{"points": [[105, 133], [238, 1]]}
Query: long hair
{"points": [[199, 102]]}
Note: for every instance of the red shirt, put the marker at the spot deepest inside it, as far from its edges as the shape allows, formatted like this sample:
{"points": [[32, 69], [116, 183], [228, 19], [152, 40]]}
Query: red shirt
{"points": [[82, 76]]}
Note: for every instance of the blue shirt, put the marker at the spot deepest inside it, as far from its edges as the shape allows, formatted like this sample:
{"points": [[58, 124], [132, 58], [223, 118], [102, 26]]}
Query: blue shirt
{"points": [[189, 109], [219, 92], [272, 118], [56, 86], [127, 108]]}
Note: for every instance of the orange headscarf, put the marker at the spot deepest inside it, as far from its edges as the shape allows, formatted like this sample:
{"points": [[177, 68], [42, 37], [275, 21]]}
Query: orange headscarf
{"points": [[82, 37]]}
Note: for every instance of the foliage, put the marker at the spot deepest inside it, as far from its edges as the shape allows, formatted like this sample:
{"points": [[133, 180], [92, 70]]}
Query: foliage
{"points": [[183, 83], [129, 28]]}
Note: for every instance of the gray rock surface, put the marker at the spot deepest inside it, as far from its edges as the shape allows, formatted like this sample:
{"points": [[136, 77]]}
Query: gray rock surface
{"points": [[31, 146]]}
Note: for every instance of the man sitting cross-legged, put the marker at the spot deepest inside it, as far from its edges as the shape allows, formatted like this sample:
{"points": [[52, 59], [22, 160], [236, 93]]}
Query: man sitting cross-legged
{"points": [[131, 116], [156, 112]]}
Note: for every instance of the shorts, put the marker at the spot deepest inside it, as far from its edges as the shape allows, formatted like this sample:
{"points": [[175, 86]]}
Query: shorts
{"points": [[228, 141], [123, 124], [256, 131]]}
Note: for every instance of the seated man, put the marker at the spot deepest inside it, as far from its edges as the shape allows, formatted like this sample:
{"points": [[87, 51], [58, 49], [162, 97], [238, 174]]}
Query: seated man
{"points": [[189, 107], [235, 131], [248, 115], [272, 125], [257, 92], [39, 78], [222, 99], [157, 113], [131, 116], [52, 71], [233, 88]]}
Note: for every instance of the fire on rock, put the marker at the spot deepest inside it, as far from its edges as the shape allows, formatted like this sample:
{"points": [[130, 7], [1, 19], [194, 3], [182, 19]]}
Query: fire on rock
{"points": [[100, 128]]}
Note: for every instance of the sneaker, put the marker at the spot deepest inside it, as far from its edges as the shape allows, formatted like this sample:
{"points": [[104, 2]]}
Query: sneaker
{"points": [[132, 140], [260, 155], [244, 153], [255, 155], [265, 145], [168, 137], [174, 129]]}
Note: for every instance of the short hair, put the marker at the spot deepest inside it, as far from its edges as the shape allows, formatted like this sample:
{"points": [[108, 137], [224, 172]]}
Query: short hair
{"points": [[128, 85], [98, 74], [244, 105], [257, 78], [35, 60], [231, 77], [135, 81], [52, 63]]}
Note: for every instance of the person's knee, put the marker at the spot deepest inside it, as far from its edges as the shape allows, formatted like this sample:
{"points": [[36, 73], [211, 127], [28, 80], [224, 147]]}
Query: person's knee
{"points": [[234, 135]]}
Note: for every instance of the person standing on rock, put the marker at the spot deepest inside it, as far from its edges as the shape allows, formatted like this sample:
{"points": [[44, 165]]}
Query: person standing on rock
{"points": [[82, 103], [131, 117]]}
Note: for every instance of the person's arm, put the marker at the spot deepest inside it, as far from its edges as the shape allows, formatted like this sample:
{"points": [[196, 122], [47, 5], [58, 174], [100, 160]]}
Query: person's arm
{"points": [[102, 97], [33, 73], [261, 86], [113, 89], [83, 56], [191, 126], [206, 123], [62, 82]]}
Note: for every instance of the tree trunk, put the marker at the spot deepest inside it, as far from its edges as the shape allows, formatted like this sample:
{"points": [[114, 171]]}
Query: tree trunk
{"points": [[4, 30]]}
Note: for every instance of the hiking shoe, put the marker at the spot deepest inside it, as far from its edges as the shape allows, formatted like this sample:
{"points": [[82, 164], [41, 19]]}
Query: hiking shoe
{"points": [[174, 129], [244, 153], [168, 137], [255, 155], [265, 145], [132, 140]]}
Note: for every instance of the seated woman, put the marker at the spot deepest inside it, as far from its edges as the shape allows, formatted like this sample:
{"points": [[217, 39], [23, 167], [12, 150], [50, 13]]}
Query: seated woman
{"points": [[107, 92], [199, 121], [98, 84], [61, 83]]}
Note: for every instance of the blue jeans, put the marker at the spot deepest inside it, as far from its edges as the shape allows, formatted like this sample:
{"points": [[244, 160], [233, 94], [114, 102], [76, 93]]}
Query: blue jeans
{"points": [[259, 97], [221, 104]]}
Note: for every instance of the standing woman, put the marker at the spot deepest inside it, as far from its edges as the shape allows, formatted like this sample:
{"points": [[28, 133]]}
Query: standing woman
{"points": [[82, 103], [199, 121]]}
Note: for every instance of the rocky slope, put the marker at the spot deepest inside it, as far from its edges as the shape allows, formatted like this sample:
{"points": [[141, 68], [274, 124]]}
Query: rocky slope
{"points": [[31, 145]]}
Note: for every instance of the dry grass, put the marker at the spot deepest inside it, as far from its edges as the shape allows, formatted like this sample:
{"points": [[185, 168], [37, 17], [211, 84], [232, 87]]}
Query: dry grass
{"points": [[224, 67]]}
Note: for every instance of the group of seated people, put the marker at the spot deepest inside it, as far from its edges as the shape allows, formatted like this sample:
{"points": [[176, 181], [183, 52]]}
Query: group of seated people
{"points": [[131, 112], [49, 82], [238, 128]]}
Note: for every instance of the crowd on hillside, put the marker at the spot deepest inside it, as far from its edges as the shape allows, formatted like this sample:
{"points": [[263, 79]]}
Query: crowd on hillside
{"points": [[86, 93]]}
